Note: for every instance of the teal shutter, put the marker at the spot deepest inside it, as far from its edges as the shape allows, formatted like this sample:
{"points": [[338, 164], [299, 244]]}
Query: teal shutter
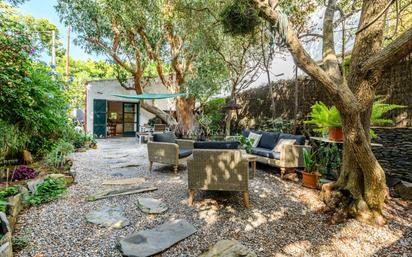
{"points": [[99, 118]]}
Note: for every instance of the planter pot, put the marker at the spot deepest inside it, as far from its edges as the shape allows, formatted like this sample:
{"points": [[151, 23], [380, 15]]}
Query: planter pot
{"points": [[310, 179], [335, 134]]}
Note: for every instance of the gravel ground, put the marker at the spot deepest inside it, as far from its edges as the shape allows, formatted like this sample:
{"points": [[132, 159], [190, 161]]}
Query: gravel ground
{"points": [[284, 219]]}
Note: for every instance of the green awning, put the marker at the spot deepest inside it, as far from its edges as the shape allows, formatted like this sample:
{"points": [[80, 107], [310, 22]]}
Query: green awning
{"points": [[147, 96]]}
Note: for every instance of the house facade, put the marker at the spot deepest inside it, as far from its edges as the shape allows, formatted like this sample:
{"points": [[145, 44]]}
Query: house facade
{"points": [[107, 115]]}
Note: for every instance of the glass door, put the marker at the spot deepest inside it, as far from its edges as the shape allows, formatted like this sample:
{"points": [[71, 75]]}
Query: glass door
{"points": [[130, 120]]}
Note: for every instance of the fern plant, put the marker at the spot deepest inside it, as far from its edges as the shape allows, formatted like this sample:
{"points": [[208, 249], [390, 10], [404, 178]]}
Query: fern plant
{"points": [[379, 109], [50, 189], [324, 117]]}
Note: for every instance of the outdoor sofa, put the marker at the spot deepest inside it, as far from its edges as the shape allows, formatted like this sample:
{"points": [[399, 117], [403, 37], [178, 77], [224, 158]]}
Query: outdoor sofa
{"points": [[289, 157], [166, 149], [218, 166]]}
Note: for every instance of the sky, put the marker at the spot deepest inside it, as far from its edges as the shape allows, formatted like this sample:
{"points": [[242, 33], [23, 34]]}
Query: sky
{"points": [[45, 9]]}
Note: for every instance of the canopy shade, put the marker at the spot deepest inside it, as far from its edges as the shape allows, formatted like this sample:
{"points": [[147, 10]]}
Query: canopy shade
{"points": [[146, 96]]}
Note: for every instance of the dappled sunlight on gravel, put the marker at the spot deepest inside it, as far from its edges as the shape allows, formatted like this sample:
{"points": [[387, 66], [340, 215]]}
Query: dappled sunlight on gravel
{"points": [[284, 219]]}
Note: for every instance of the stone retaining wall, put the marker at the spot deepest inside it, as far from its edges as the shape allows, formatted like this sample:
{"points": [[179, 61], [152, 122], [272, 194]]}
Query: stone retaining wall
{"points": [[396, 154]]}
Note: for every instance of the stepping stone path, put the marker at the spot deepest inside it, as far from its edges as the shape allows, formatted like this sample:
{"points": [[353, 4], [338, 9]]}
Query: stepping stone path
{"points": [[112, 217], [151, 206], [228, 248], [149, 242]]}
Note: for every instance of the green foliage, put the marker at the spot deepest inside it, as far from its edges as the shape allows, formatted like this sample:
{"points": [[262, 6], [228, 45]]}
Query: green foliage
{"points": [[56, 157], [82, 71], [35, 102], [276, 125], [50, 189], [12, 140], [379, 109], [324, 117], [4, 193], [246, 143], [240, 17], [329, 156], [213, 111], [309, 161]]}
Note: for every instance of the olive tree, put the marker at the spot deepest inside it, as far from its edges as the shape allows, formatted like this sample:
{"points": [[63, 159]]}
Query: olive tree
{"points": [[362, 177]]}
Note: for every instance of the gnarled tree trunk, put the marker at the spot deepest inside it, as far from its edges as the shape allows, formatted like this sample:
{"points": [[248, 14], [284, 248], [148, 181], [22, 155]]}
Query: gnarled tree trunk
{"points": [[185, 115]]}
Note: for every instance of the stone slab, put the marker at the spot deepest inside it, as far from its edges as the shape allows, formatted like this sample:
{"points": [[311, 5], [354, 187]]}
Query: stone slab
{"points": [[111, 217], [228, 248], [124, 172], [126, 181], [149, 242], [151, 206]]}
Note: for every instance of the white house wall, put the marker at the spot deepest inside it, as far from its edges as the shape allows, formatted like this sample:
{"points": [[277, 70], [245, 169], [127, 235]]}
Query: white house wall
{"points": [[105, 89]]}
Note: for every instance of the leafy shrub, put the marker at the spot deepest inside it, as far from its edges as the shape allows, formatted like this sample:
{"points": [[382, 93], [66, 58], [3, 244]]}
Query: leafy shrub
{"points": [[214, 115], [23, 172], [4, 193], [56, 157], [276, 125], [50, 189], [12, 140], [240, 17]]}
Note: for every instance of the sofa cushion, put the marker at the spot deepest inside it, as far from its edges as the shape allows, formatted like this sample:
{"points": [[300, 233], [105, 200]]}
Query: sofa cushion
{"points": [[256, 138], [183, 152], [268, 140], [245, 132], [167, 137], [300, 140], [265, 153], [217, 145]]}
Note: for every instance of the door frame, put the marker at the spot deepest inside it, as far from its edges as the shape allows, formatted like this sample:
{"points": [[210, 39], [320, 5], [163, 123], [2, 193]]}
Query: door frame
{"points": [[137, 118]]}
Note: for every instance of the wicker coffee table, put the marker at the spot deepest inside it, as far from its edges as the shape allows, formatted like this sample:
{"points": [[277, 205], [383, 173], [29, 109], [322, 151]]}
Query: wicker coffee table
{"points": [[252, 161]]}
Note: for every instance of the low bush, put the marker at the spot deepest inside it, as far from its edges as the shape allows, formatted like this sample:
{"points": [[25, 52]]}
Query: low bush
{"points": [[56, 157], [4, 193], [50, 189], [22, 173]]}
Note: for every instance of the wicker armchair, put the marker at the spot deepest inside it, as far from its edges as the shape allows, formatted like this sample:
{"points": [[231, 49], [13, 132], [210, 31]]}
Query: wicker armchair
{"points": [[169, 153], [218, 169]]}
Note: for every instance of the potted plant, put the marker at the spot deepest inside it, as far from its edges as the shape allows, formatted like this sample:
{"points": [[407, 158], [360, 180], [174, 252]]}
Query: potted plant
{"points": [[327, 119], [310, 174]]}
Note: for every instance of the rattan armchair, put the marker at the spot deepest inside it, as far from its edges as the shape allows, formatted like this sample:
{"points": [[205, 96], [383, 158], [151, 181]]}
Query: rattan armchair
{"points": [[218, 169], [169, 153]]}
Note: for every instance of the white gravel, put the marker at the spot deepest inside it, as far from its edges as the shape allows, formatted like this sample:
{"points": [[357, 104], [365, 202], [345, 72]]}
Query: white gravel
{"points": [[284, 219]]}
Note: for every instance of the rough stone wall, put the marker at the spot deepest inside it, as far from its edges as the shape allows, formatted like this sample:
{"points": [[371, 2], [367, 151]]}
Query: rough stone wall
{"points": [[396, 154], [396, 86]]}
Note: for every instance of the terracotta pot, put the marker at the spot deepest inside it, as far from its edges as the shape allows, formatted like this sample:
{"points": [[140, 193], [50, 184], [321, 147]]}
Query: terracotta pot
{"points": [[335, 134], [310, 179]]}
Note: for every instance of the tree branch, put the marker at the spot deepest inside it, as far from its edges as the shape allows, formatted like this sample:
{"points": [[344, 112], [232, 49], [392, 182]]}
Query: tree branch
{"points": [[328, 51], [391, 54], [303, 59]]}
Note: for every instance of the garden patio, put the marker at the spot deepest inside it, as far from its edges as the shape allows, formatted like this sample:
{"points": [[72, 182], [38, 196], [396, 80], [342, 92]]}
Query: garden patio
{"points": [[285, 219], [205, 128]]}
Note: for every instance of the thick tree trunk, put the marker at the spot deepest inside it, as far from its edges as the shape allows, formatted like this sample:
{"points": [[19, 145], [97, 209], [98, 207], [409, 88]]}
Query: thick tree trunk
{"points": [[186, 117], [164, 116], [362, 179], [228, 122]]}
